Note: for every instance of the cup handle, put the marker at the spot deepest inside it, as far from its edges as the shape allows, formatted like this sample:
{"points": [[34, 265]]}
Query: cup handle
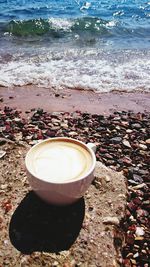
{"points": [[92, 146]]}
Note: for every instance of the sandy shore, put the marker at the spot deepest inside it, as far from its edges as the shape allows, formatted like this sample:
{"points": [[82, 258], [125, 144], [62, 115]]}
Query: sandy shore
{"points": [[28, 97]]}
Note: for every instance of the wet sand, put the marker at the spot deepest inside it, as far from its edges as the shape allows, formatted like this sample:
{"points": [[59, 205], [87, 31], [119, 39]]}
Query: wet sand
{"points": [[30, 97]]}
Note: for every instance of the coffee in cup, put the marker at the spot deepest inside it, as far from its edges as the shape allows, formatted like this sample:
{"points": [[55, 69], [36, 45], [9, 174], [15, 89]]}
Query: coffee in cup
{"points": [[59, 161], [60, 169]]}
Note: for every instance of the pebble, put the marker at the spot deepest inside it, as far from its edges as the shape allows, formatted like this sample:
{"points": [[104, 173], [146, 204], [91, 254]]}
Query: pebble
{"points": [[126, 160], [127, 263], [136, 255], [139, 238], [73, 134], [53, 120], [64, 125], [144, 147], [126, 143], [132, 182], [116, 140], [129, 131], [141, 213], [133, 261], [55, 263], [139, 231], [136, 126], [107, 179], [2, 153], [111, 220], [4, 186], [136, 187], [130, 239], [6, 242], [146, 202], [147, 141], [137, 178], [125, 123]]}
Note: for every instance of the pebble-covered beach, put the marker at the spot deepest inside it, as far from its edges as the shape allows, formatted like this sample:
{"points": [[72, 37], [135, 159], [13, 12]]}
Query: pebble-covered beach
{"points": [[123, 142]]}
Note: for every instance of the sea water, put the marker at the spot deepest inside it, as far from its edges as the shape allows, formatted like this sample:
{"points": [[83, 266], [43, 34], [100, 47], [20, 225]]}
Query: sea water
{"points": [[91, 45]]}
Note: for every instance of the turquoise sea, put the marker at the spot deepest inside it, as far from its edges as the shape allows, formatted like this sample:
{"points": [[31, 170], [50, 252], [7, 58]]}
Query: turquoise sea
{"points": [[98, 45]]}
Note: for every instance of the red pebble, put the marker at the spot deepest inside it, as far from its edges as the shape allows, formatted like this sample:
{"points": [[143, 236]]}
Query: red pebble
{"points": [[137, 201], [128, 214], [40, 135], [132, 206], [132, 228], [130, 239], [126, 263], [7, 128], [7, 206], [142, 213], [102, 150]]}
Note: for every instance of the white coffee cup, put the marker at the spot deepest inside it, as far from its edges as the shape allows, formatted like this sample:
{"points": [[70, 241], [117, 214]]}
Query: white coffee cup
{"points": [[60, 169]]}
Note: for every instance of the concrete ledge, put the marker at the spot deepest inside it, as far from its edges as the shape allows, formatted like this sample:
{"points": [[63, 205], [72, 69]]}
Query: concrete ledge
{"points": [[87, 234]]}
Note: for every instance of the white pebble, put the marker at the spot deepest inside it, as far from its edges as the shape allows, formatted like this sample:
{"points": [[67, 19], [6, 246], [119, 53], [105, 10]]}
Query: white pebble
{"points": [[136, 255], [139, 186], [107, 179], [144, 147], [111, 220], [139, 231], [2, 153], [126, 143]]}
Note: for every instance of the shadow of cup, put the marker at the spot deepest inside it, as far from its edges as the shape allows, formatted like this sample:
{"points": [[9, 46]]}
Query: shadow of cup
{"points": [[38, 226]]}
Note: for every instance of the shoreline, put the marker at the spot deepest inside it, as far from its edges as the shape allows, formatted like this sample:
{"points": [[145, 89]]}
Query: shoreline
{"points": [[70, 100]]}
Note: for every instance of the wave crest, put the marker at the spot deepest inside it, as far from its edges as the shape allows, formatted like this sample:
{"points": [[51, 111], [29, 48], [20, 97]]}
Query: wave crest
{"points": [[29, 27], [56, 26]]}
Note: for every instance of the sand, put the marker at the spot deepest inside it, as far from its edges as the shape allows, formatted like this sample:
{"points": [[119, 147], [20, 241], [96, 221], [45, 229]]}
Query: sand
{"points": [[29, 97]]}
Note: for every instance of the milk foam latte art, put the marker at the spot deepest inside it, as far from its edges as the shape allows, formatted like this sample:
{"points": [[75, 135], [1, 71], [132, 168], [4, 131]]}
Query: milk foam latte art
{"points": [[60, 169], [60, 161]]}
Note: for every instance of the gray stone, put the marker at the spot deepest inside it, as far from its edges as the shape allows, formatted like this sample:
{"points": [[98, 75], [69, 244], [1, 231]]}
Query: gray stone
{"points": [[137, 179], [116, 140], [136, 125]]}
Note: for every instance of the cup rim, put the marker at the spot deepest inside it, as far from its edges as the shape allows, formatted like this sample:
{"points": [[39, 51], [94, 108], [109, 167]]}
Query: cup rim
{"points": [[69, 139]]}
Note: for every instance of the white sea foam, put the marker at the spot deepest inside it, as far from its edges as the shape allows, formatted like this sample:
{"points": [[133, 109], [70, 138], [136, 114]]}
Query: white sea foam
{"points": [[111, 23], [59, 23], [86, 69]]}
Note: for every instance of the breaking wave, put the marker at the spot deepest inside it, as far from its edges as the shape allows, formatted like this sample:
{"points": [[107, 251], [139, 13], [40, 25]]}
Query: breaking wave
{"points": [[58, 27]]}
